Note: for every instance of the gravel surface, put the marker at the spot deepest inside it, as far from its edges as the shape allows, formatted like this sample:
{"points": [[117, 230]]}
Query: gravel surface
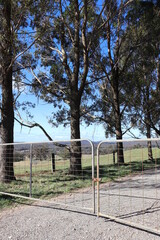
{"points": [[133, 198], [44, 221]]}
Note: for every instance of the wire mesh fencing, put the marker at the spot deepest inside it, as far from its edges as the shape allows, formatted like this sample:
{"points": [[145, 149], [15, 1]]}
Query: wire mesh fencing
{"points": [[128, 182], [60, 171], [128, 177]]}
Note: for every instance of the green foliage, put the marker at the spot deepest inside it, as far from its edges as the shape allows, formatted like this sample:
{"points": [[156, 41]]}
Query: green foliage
{"points": [[144, 67], [41, 153], [6, 201], [62, 50], [64, 154], [18, 156]]}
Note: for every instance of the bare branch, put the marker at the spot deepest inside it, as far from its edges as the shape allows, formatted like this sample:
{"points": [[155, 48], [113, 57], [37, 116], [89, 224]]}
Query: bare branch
{"points": [[127, 130], [34, 125], [18, 24], [69, 31], [57, 50], [31, 71], [21, 53], [132, 135], [29, 125], [109, 44], [35, 76], [85, 49], [19, 93]]}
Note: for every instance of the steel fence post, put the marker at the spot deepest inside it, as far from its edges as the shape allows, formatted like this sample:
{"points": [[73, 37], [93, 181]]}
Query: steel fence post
{"points": [[30, 185], [98, 187], [93, 182]]}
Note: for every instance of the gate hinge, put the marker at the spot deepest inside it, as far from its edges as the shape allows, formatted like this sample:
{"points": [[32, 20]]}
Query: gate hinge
{"points": [[97, 179]]}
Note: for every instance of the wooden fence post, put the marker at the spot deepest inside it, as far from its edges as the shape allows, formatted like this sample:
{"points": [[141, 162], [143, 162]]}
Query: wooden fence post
{"points": [[53, 162]]}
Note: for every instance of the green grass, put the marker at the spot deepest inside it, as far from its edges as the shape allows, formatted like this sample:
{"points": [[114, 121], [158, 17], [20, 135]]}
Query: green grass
{"points": [[6, 201], [46, 184], [112, 172]]}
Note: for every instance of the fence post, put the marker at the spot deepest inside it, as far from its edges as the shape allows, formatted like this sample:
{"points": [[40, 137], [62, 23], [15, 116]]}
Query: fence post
{"points": [[53, 162], [98, 191], [30, 185], [93, 182], [114, 159]]}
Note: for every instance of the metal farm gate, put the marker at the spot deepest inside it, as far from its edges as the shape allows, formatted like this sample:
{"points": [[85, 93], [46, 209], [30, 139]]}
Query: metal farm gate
{"points": [[42, 172], [129, 192], [128, 178]]}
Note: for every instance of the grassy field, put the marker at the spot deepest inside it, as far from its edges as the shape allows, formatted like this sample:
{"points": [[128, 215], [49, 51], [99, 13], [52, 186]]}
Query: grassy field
{"points": [[46, 184]]}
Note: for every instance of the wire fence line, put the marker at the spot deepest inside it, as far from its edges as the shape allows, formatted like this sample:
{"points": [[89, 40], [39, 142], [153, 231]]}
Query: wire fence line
{"points": [[126, 192]]}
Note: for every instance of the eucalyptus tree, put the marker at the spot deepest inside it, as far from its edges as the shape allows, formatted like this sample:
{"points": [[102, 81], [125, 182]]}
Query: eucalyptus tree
{"points": [[14, 54], [69, 42], [144, 84], [145, 68], [7, 113], [116, 50]]}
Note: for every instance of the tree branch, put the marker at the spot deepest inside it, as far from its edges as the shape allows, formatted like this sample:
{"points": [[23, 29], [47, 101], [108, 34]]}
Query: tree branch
{"points": [[69, 31], [31, 71], [21, 53], [43, 130], [85, 49]]}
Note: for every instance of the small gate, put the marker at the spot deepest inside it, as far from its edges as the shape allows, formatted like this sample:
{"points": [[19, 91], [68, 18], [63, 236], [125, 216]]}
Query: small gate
{"points": [[129, 192]]}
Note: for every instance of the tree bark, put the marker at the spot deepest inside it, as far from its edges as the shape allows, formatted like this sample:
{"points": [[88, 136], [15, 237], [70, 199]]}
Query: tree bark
{"points": [[120, 155], [149, 144], [158, 72], [148, 128], [7, 112], [118, 129], [76, 94], [115, 88], [77, 74], [147, 113], [75, 161]]}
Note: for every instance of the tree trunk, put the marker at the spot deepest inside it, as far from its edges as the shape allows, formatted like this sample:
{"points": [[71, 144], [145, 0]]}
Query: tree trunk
{"points": [[7, 112], [7, 125], [149, 144], [148, 134], [158, 70], [120, 156], [75, 161], [147, 115]]}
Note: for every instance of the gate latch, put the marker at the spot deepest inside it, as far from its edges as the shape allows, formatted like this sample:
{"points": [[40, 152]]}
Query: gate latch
{"points": [[97, 179]]}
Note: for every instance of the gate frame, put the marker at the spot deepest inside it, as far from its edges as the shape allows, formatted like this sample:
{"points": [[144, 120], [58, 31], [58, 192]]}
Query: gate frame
{"points": [[31, 144], [116, 219]]}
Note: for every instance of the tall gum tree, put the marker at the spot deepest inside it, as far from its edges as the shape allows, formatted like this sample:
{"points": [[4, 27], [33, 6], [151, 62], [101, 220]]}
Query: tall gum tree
{"points": [[144, 69], [14, 56], [7, 112], [113, 62], [65, 49]]}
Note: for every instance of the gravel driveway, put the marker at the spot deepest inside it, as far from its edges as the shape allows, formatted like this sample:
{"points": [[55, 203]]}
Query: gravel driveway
{"points": [[44, 221]]}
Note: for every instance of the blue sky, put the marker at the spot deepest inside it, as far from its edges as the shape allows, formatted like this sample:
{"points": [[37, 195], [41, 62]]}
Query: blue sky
{"points": [[41, 113]]}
